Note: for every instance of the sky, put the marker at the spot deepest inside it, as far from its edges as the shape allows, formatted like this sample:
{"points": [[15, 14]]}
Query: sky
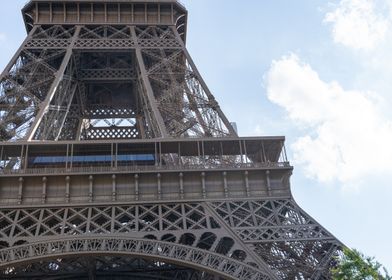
{"points": [[315, 71]]}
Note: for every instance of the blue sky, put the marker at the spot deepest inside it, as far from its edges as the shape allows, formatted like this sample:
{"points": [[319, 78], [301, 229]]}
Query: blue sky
{"points": [[318, 73], [315, 71]]}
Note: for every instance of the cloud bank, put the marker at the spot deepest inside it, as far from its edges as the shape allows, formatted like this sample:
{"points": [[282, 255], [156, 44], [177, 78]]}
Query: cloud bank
{"points": [[358, 24], [345, 134]]}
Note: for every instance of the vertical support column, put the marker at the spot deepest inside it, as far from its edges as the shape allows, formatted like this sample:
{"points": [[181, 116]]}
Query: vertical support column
{"points": [[136, 187], [203, 184], [181, 175], [90, 190], [147, 85], [225, 187], [263, 150], [26, 158], [246, 175], [159, 186], [67, 190], [44, 106], [44, 183], [267, 176], [20, 190], [114, 188]]}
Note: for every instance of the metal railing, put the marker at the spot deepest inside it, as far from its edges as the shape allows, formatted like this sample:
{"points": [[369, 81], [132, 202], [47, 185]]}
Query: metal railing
{"points": [[141, 168]]}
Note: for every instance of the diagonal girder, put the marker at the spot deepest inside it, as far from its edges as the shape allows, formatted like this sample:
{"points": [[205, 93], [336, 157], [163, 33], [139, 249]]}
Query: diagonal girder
{"points": [[54, 87]]}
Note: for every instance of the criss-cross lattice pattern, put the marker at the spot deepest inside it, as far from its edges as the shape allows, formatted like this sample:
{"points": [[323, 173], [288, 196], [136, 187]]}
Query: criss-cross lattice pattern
{"points": [[22, 224], [24, 88], [105, 266], [184, 103], [300, 260], [157, 37], [51, 37], [219, 264], [270, 220], [182, 224], [283, 235], [65, 66]]}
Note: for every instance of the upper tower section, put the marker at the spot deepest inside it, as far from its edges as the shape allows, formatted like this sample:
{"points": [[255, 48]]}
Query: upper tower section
{"points": [[101, 12], [106, 70]]}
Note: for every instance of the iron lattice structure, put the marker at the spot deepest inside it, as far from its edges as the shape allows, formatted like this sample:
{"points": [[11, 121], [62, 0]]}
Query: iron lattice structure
{"points": [[116, 161]]}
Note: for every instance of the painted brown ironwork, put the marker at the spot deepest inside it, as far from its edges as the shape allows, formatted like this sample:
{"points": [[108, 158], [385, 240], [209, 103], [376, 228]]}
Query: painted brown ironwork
{"points": [[117, 162]]}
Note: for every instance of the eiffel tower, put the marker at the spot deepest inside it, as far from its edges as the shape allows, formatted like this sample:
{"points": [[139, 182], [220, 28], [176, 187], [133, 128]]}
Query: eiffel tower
{"points": [[116, 161]]}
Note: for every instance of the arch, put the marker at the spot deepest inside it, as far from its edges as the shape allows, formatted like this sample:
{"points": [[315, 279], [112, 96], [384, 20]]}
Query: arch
{"points": [[3, 244], [224, 246], [150, 237], [105, 267], [239, 255], [187, 239], [20, 242], [177, 254], [206, 241], [169, 238]]}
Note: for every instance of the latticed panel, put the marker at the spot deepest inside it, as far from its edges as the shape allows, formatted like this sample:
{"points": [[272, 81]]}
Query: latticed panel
{"points": [[24, 88], [156, 219], [300, 259], [102, 111], [112, 133], [155, 43], [54, 36], [283, 235], [186, 106], [270, 220], [183, 224], [107, 32], [177, 253], [182, 100], [54, 32], [106, 74], [103, 267], [48, 43], [104, 44]]}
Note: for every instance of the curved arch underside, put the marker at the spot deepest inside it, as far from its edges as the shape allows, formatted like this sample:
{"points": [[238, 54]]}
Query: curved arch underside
{"points": [[104, 267], [55, 256]]}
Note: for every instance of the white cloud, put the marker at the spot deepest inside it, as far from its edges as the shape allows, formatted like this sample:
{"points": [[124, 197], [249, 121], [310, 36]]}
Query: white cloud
{"points": [[346, 135], [3, 37], [357, 24]]}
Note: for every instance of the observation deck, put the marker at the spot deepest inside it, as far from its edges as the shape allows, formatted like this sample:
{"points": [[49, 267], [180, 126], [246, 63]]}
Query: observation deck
{"points": [[48, 172], [106, 12]]}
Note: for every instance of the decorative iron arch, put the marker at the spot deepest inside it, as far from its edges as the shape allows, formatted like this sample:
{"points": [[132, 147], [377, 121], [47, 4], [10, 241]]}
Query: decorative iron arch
{"points": [[177, 254]]}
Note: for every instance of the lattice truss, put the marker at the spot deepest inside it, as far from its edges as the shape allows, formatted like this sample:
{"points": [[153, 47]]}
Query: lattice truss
{"points": [[105, 268], [186, 105], [253, 236], [45, 93], [23, 89], [189, 233], [293, 244]]}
